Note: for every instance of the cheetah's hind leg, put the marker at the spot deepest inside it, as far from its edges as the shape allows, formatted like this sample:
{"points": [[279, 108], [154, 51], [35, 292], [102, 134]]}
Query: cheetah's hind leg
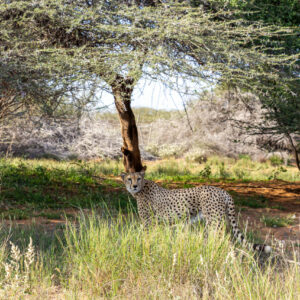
{"points": [[197, 218], [214, 226]]}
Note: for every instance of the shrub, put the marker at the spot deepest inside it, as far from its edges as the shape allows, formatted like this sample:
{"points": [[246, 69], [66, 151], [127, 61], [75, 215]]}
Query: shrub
{"points": [[239, 173], [244, 156], [275, 174], [222, 171], [206, 172], [276, 160], [278, 221]]}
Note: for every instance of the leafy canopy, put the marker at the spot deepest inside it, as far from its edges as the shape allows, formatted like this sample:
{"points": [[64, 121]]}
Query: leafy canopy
{"points": [[79, 39]]}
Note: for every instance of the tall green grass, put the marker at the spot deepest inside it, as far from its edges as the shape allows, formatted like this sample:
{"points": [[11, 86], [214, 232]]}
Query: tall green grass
{"points": [[88, 173], [32, 188], [218, 168], [116, 258]]}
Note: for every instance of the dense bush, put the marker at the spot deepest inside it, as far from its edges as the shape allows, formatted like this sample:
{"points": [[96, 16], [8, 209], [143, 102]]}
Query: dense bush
{"points": [[164, 134]]}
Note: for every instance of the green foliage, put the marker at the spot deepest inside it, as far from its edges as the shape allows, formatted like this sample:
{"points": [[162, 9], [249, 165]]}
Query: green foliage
{"points": [[142, 115], [274, 12], [244, 157], [82, 40], [275, 174], [169, 169], [148, 115], [276, 160], [241, 169], [283, 12], [240, 173], [206, 172], [16, 214], [38, 186], [279, 97], [222, 171], [105, 167], [250, 201], [277, 221]]}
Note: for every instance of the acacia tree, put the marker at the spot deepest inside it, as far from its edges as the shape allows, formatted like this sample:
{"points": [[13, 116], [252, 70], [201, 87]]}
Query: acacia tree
{"points": [[278, 96], [280, 120], [122, 41], [33, 92]]}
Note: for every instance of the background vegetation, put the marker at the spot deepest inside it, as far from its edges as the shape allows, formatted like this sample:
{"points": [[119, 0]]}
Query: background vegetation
{"points": [[208, 127], [246, 50]]}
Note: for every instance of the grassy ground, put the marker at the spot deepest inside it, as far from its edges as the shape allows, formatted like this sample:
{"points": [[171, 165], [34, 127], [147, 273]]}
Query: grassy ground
{"points": [[101, 251], [220, 169], [36, 186], [33, 187], [103, 258]]}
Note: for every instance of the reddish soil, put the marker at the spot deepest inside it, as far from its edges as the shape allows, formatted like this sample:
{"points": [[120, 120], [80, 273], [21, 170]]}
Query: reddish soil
{"points": [[279, 192], [48, 224]]}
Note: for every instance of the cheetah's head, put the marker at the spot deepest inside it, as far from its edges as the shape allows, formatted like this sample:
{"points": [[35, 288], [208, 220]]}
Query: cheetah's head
{"points": [[134, 182]]}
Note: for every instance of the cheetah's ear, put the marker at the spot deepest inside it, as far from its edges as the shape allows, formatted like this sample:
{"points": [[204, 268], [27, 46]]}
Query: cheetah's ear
{"points": [[143, 170], [123, 176]]}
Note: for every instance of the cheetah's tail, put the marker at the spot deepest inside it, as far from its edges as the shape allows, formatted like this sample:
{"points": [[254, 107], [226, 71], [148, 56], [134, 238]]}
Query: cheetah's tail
{"points": [[258, 247], [237, 233]]}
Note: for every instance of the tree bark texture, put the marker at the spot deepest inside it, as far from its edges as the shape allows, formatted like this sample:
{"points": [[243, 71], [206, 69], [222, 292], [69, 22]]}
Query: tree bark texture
{"points": [[122, 90], [295, 150]]}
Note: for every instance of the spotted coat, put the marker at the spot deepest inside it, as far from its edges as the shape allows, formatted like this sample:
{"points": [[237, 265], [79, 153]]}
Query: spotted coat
{"points": [[206, 202]]}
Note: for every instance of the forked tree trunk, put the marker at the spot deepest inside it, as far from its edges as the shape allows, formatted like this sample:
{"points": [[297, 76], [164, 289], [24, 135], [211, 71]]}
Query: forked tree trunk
{"points": [[122, 90]]}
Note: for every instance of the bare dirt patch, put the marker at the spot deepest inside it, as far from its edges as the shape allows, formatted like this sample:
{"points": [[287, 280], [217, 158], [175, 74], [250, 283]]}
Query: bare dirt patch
{"points": [[278, 192], [47, 222]]}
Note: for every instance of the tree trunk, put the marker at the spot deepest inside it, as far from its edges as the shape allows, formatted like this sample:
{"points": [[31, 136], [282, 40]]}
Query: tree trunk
{"points": [[295, 150], [122, 90]]}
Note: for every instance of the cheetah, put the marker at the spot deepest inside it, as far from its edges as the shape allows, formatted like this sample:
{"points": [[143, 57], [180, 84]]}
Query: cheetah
{"points": [[205, 202]]}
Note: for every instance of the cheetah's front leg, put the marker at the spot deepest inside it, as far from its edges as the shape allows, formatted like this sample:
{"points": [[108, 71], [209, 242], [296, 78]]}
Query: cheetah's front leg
{"points": [[145, 214]]}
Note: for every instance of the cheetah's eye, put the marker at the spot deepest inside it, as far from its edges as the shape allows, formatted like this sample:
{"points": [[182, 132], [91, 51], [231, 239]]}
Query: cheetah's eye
{"points": [[139, 178], [129, 179]]}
